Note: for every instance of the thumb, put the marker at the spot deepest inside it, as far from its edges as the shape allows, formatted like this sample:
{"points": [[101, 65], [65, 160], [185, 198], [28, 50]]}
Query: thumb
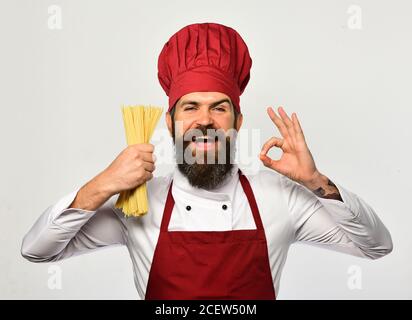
{"points": [[268, 162]]}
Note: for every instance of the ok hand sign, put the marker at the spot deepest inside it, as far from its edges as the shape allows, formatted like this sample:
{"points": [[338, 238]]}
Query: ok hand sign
{"points": [[296, 161]]}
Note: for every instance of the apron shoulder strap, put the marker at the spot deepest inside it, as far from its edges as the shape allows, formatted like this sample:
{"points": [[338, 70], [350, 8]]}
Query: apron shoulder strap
{"points": [[167, 212], [252, 200]]}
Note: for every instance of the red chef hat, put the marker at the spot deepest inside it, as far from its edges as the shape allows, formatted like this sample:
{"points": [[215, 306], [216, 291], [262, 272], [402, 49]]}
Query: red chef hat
{"points": [[204, 57]]}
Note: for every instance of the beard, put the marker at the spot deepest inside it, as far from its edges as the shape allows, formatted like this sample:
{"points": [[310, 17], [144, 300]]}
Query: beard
{"points": [[205, 169]]}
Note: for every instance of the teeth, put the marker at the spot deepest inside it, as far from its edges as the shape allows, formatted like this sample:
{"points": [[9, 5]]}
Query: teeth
{"points": [[203, 139]]}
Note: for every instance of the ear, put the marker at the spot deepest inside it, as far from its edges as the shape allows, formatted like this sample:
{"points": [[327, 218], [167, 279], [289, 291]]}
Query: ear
{"points": [[239, 121], [169, 123]]}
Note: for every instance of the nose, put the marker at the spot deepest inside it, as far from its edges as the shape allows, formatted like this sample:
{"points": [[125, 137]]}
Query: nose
{"points": [[204, 118]]}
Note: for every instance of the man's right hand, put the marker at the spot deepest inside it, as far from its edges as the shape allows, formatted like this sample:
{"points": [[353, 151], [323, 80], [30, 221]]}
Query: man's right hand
{"points": [[131, 168]]}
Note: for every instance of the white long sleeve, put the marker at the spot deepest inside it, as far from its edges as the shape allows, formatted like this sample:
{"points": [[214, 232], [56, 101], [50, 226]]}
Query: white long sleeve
{"points": [[61, 232], [351, 226]]}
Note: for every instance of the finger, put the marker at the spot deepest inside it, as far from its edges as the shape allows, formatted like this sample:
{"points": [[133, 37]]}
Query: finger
{"points": [[288, 122], [148, 175], [148, 156], [149, 166], [265, 159], [268, 162], [297, 126], [145, 147], [278, 122], [272, 142], [285, 117]]}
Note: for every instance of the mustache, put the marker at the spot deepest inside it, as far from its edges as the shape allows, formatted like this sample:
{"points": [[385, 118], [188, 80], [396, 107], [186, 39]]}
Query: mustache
{"points": [[182, 140], [224, 154]]}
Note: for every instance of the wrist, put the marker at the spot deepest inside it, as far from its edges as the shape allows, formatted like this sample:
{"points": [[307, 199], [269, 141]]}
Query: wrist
{"points": [[103, 187], [91, 196], [317, 180]]}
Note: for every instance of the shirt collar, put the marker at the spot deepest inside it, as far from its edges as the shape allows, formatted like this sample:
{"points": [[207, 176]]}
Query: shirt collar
{"points": [[223, 192]]}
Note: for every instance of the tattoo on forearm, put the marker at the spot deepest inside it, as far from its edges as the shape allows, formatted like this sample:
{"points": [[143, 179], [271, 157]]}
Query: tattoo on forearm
{"points": [[331, 192]]}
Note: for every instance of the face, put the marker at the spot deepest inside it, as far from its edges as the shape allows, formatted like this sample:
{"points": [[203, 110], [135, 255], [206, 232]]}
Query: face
{"points": [[195, 110], [204, 129]]}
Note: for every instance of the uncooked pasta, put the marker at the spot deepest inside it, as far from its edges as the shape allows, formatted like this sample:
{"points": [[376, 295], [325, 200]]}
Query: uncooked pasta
{"points": [[140, 123]]}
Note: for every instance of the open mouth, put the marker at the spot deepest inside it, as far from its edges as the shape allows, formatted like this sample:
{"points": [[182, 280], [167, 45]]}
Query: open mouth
{"points": [[204, 142]]}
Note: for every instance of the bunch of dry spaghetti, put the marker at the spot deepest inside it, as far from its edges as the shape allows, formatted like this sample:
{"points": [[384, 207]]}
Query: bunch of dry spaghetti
{"points": [[140, 123]]}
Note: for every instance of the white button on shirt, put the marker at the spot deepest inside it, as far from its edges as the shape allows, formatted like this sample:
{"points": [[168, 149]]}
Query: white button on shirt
{"points": [[290, 213], [207, 213]]}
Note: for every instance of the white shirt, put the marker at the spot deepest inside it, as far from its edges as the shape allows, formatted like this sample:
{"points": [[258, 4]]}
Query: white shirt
{"points": [[289, 212]]}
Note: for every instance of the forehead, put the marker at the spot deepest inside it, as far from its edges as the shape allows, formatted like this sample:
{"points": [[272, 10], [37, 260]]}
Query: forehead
{"points": [[203, 97]]}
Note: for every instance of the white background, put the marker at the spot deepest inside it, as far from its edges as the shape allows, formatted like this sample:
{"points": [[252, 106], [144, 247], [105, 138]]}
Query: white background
{"points": [[60, 124]]}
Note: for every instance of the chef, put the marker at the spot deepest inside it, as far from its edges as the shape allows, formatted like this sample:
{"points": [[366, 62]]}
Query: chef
{"points": [[211, 232]]}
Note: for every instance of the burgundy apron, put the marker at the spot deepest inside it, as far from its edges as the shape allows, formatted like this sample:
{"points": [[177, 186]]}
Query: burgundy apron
{"points": [[211, 264]]}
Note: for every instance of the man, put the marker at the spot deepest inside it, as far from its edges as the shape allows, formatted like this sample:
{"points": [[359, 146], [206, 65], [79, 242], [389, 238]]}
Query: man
{"points": [[211, 232]]}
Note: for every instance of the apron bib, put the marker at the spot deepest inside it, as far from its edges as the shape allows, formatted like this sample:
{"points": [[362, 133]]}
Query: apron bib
{"points": [[211, 264]]}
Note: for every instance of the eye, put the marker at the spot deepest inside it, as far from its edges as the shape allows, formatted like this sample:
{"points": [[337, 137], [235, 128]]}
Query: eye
{"points": [[220, 108], [187, 108]]}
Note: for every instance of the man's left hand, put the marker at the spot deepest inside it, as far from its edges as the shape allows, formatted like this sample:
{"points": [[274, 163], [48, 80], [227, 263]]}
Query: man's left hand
{"points": [[296, 161]]}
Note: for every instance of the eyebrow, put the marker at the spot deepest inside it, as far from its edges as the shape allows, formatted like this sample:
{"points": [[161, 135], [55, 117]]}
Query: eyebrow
{"points": [[214, 104]]}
